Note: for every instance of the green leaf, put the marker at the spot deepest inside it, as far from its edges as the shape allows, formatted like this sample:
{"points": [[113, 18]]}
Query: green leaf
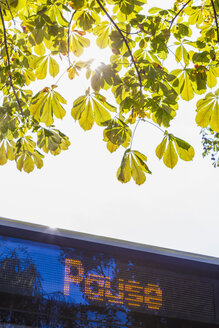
{"points": [[76, 4], [117, 132]]}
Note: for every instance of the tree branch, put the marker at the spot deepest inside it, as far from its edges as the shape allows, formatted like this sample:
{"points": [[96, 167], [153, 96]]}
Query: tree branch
{"points": [[10, 11], [124, 39], [171, 23], [216, 21], [69, 27], [9, 63]]}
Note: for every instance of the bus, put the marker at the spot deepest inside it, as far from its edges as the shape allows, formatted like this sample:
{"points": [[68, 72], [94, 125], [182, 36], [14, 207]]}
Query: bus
{"points": [[59, 278]]}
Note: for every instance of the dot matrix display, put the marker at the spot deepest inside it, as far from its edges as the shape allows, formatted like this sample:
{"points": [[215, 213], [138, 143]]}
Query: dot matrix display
{"points": [[81, 277]]}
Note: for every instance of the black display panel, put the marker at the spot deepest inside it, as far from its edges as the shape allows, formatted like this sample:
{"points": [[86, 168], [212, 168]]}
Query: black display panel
{"points": [[90, 285]]}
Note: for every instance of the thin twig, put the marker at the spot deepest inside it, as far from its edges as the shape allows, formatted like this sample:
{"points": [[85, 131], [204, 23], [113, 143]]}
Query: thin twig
{"points": [[172, 21], [176, 57], [69, 27], [156, 126], [9, 63], [60, 77], [142, 119], [123, 31], [124, 39], [216, 21], [134, 132]]}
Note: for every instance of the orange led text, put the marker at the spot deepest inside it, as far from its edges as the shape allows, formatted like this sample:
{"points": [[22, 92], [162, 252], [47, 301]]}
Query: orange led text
{"points": [[105, 289]]}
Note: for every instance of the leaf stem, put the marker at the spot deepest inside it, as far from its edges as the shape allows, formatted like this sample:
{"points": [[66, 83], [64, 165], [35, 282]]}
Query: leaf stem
{"points": [[9, 63], [60, 77], [134, 132], [124, 39], [216, 21], [69, 27], [172, 21], [123, 31], [142, 119], [156, 126]]}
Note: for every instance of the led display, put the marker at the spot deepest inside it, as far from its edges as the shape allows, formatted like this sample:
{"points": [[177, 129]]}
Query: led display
{"points": [[79, 277]]}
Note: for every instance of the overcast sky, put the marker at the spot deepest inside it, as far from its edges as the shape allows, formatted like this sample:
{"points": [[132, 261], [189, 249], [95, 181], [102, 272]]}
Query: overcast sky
{"points": [[78, 189]]}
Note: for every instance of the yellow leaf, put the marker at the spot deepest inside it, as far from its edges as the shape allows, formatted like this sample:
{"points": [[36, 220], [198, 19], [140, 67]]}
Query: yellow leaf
{"points": [[184, 150], [58, 110], [41, 70], [28, 165], [211, 78], [87, 117], [40, 49], [170, 157], [124, 171], [100, 113], [46, 115], [204, 114], [214, 123], [137, 173], [161, 148], [20, 162], [3, 156], [53, 67], [78, 107], [103, 40], [10, 151], [178, 54], [185, 56], [59, 97], [111, 147], [36, 105], [71, 72], [38, 159], [187, 91], [185, 155]]}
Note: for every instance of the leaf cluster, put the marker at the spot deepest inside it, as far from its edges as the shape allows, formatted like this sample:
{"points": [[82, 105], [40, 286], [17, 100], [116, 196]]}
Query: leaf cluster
{"points": [[37, 36]]}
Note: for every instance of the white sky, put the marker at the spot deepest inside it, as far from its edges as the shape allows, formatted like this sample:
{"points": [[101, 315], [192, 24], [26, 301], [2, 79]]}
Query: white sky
{"points": [[78, 189]]}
